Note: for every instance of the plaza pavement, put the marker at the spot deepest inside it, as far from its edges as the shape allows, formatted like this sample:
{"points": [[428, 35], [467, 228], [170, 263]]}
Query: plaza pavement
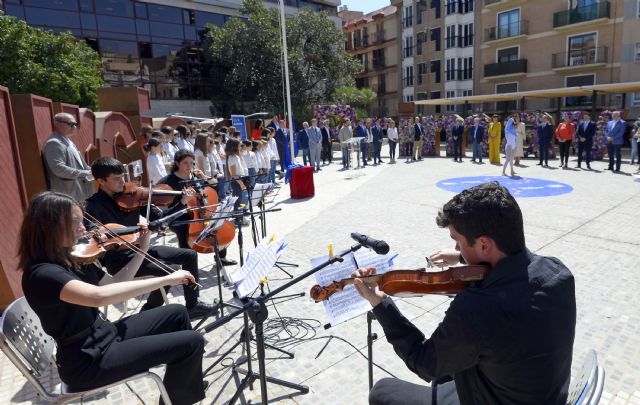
{"points": [[593, 230]]}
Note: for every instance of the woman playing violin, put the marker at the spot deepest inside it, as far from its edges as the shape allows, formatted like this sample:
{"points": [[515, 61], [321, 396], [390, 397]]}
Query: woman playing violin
{"points": [[109, 173], [92, 351], [509, 339], [184, 169]]}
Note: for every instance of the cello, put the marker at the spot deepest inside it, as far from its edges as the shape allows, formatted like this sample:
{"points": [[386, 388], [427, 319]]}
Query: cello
{"points": [[206, 196]]}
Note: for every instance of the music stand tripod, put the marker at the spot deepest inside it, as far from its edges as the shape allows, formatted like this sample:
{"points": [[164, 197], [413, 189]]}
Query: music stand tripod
{"points": [[257, 311]]}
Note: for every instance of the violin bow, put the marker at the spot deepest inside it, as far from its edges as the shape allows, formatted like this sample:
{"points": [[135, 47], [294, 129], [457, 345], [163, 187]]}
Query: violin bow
{"points": [[94, 221], [149, 200]]}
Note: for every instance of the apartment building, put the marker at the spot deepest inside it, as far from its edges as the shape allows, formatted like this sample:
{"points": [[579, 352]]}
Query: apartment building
{"points": [[371, 38], [531, 45]]}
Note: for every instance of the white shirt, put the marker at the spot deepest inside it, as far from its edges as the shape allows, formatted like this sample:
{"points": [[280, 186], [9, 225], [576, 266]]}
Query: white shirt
{"points": [[273, 148], [238, 164], [155, 168], [250, 160], [263, 161], [170, 149], [392, 134], [182, 144], [215, 161], [207, 164]]}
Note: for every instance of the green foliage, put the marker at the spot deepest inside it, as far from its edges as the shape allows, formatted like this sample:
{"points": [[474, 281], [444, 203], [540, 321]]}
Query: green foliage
{"points": [[359, 99], [249, 62], [49, 65]]}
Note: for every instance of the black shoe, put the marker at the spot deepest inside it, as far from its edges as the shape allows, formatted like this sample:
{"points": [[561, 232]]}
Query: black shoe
{"points": [[201, 309], [539, 164], [227, 262], [588, 166]]}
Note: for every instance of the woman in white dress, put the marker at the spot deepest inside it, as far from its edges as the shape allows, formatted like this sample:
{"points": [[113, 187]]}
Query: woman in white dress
{"points": [[184, 138], [155, 164], [521, 133], [510, 133], [203, 146]]}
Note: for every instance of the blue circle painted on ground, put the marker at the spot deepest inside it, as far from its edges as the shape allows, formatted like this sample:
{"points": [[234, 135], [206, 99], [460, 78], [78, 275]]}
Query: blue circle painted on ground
{"points": [[518, 186]]}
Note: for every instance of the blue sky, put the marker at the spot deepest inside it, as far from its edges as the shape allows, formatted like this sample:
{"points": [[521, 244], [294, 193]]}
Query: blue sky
{"points": [[365, 6]]}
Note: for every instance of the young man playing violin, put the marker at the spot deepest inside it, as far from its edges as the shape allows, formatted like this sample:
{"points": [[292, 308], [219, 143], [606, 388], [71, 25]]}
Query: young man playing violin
{"points": [[109, 173], [506, 340]]}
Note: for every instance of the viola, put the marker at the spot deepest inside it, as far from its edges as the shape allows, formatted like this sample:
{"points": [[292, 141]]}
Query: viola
{"points": [[96, 243], [134, 196], [408, 283], [206, 196]]}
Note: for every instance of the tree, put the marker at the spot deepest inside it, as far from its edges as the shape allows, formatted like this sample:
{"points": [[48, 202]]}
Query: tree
{"points": [[247, 54], [54, 66], [359, 99]]}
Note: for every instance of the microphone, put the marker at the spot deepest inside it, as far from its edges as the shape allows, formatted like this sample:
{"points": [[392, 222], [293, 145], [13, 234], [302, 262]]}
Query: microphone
{"points": [[379, 246], [166, 219]]}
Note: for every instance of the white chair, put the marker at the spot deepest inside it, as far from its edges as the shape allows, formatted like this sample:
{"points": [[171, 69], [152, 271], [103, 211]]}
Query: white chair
{"points": [[586, 387], [30, 349]]}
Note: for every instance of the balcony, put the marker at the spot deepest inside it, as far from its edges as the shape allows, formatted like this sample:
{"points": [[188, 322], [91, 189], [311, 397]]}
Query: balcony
{"points": [[514, 67], [592, 12], [365, 40], [407, 22], [407, 52], [507, 31], [407, 81], [381, 88], [587, 59], [379, 36], [378, 64]]}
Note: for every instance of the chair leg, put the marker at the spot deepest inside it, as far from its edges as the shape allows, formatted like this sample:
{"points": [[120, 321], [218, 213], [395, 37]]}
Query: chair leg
{"points": [[163, 391], [164, 295]]}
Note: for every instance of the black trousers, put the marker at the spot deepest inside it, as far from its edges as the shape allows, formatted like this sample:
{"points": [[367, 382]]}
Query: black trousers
{"points": [[410, 149], [327, 153], [187, 258], [377, 148], [281, 152], [457, 149], [614, 151], [564, 152], [392, 391], [543, 150], [586, 148], [148, 339], [392, 149]]}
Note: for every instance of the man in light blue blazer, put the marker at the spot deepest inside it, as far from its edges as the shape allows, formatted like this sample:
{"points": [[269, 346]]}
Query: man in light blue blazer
{"points": [[67, 172], [614, 133], [315, 144]]}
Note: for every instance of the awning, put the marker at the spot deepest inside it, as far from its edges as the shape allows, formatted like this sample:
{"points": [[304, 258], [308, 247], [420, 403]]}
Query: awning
{"points": [[614, 88]]}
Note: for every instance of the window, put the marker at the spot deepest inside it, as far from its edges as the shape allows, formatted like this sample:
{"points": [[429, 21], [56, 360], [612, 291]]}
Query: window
{"points": [[508, 24], [450, 70], [451, 6], [467, 68], [468, 35], [574, 81], [450, 94], [116, 24], [434, 96], [422, 70], [435, 37], [637, 52], [52, 18], [435, 68], [118, 49], [120, 8], [506, 88], [164, 13], [408, 16], [467, 93], [636, 99], [508, 54], [378, 58], [419, 40], [408, 76], [450, 39], [409, 99], [582, 50], [435, 6], [408, 47]]}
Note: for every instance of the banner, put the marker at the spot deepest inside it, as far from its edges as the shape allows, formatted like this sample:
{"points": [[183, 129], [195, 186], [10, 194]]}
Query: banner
{"points": [[238, 121]]}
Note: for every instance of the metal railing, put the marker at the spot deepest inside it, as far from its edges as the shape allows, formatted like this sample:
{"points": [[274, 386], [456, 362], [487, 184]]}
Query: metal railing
{"points": [[505, 68], [378, 36], [579, 57], [576, 15], [507, 30]]}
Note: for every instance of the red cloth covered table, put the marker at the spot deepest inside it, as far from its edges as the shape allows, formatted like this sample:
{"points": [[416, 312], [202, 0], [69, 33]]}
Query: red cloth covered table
{"points": [[302, 182]]}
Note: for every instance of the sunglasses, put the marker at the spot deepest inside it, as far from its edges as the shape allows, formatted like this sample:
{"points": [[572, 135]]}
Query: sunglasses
{"points": [[71, 124]]}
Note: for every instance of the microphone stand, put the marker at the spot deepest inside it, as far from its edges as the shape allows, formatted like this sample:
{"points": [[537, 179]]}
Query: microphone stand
{"points": [[257, 311]]}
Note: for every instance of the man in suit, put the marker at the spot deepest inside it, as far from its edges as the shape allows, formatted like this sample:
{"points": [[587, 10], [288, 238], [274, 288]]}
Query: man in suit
{"points": [[325, 130], [67, 172], [315, 144], [376, 132], [586, 131], [545, 133], [477, 133], [303, 143], [418, 133], [456, 133], [615, 138], [361, 132]]}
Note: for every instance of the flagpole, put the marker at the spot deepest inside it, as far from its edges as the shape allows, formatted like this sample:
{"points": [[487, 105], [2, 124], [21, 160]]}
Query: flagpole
{"points": [[286, 77]]}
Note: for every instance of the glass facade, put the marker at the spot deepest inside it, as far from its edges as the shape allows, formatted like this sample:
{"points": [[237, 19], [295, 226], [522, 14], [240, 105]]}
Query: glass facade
{"points": [[141, 44]]}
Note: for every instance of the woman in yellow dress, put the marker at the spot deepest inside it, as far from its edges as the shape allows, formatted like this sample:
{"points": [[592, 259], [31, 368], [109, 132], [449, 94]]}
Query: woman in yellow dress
{"points": [[495, 136]]}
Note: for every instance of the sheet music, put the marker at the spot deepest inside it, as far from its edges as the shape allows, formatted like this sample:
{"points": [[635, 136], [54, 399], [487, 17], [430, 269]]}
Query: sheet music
{"points": [[261, 263], [259, 191], [347, 304]]}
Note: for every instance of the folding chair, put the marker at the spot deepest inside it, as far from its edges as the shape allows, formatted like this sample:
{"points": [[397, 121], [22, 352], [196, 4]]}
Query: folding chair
{"points": [[30, 349], [587, 385]]}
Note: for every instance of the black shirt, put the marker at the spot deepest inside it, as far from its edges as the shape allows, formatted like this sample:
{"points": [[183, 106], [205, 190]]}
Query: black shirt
{"points": [[42, 285], [509, 340]]}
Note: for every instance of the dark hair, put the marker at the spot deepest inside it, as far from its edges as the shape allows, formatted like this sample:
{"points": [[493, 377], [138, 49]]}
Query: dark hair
{"points": [[152, 142], [201, 143], [265, 132], [223, 129], [46, 223], [157, 134], [105, 166], [146, 131], [181, 155], [254, 144], [486, 210], [167, 130], [183, 131], [258, 124], [247, 142]]}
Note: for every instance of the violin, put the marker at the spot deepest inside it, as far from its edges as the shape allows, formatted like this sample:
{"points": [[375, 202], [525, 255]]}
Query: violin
{"points": [[409, 283], [134, 196], [95, 244], [206, 196]]}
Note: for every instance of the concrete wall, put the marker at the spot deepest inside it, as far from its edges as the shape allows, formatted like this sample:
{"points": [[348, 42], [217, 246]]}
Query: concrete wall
{"points": [[192, 108]]}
